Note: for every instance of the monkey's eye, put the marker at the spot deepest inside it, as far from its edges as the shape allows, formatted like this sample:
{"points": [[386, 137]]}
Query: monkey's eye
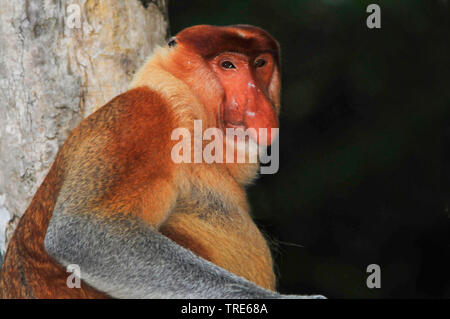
{"points": [[172, 42], [260, 63], [227, 65]]}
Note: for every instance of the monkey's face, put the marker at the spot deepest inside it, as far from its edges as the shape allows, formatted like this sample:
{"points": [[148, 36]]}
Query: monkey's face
{"points": [[246, 103], [238, 66]]}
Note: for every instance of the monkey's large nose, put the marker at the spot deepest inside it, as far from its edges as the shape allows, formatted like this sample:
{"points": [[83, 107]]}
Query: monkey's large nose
{"points": [[259, 115], [234, 113]]}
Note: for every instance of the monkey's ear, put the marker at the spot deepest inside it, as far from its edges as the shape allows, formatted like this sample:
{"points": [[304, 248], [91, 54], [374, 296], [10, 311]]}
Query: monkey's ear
{"points": [[172, 42]]}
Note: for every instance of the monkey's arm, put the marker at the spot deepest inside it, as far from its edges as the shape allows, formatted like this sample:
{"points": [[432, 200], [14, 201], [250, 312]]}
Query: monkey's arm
{"points": [[126, 258]]}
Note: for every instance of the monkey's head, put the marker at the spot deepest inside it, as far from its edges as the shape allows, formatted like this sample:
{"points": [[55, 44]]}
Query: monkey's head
{"points": [[234, 71]]}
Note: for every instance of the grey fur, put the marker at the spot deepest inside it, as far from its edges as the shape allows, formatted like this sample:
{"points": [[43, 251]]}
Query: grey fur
{"points": [[126, 258], [139, 262]]}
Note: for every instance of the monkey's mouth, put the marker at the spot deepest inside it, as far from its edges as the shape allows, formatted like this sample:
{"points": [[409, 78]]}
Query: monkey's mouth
{"points": [[235, 124]]}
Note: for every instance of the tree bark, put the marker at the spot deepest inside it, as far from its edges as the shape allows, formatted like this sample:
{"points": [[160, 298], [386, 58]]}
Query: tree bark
{"points": [[56, 68]]}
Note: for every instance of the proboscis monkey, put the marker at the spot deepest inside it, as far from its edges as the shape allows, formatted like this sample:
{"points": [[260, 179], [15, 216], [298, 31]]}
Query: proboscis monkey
{"points": [[137, 224]]}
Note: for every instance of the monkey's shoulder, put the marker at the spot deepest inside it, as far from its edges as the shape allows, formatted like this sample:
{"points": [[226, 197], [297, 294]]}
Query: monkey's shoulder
{"points": [[135, 111], [132, 126]]}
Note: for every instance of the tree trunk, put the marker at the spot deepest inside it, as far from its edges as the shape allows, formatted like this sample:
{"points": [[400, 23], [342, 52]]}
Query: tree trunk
{"points": [[59, 61]]}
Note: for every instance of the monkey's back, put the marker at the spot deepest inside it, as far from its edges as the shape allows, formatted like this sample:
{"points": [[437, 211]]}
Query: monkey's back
{"points": [[28, 271]]}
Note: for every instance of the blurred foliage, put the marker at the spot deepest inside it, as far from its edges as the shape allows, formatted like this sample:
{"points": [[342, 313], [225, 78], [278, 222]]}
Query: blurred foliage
{"points": [[365, 143]]}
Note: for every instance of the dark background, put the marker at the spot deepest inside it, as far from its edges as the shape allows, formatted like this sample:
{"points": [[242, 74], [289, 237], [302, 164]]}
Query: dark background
{"points": [[364, 143]]}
